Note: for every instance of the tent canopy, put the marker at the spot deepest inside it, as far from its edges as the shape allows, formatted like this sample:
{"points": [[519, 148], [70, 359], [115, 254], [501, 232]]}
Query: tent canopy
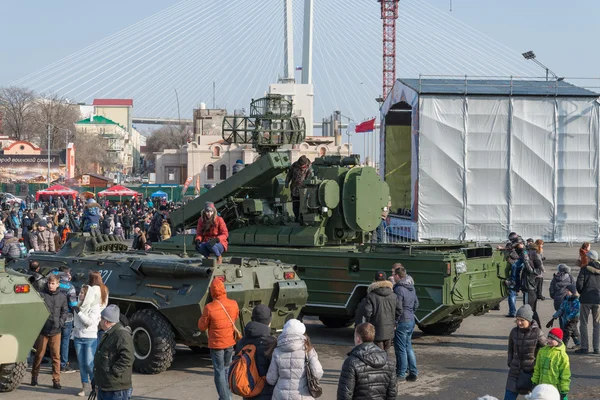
{"points": [[56, 190], [159, 193], [118, 191]]}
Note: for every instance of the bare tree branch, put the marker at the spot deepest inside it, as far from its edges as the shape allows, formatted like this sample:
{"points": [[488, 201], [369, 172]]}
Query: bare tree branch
{"points": [[17, 106]]}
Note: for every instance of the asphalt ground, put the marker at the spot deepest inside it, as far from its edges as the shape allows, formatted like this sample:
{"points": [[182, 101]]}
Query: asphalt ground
{"points": [[468, 364]]}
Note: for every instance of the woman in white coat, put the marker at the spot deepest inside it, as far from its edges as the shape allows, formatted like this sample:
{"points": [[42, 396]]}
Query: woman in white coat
{"points": [[85, 332], [287, 371]]}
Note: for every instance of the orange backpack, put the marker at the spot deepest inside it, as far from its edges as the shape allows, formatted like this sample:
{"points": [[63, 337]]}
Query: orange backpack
{"points": [[243, 374]]}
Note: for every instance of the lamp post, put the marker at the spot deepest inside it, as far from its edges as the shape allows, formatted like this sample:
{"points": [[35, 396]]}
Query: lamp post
{"points": [[530, 55], [49, 131]]}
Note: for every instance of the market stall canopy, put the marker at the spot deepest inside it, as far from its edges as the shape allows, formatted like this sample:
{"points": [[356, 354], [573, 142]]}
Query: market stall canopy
{"points": [[118, 191], [159, 193], [56, 190]]}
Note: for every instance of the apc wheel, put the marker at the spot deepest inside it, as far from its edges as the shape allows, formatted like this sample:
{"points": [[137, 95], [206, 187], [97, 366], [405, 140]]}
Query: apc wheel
{"points": [[153, 342], [11, 376], [441, 328], [334, 323]]}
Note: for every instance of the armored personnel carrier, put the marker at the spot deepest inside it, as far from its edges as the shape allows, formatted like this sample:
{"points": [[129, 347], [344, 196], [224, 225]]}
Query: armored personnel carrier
{"points": [[340, 206], [17, 334], [162, 296]]}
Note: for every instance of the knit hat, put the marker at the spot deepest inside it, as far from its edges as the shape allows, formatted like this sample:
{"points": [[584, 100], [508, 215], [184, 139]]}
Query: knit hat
{"points": [[43, 223], [293, 327], [544, 392], [209, 206], [380, 276], [556, 334], [525, 312], [592, 255], [571, 288], [261, 313], [111, 313], [563, 268], [118, 224]]}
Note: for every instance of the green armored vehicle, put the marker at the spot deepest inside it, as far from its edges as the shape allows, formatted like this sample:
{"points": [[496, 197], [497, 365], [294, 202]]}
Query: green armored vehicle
{"points": [[340, 206], [17, 334], [163, 296]]}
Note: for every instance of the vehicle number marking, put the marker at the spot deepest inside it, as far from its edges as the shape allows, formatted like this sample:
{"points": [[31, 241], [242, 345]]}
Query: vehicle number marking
{"points": [[105, 274]]}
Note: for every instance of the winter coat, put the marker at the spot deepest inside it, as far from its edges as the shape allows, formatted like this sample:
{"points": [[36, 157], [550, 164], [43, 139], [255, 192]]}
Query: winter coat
{"points": [[552, 367], [588, 283], [33, 241], [296, 177], [165, 231], [126, 221], [91, 217], [558, 285], [156, 223], [119, 232], [38, 281], [531, 269], [569, 310], [11, 248], [69, 291], [367, 373], [87, 319], [45, 241], [56, 302], [523, 345], [407, 300], [382, 309], [287, 370], [139, 241], [218, 230], [114, 358], [260, 336], [215, 319]]}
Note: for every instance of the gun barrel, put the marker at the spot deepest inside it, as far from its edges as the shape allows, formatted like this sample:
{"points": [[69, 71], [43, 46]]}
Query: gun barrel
{"points": [[175, 270]]}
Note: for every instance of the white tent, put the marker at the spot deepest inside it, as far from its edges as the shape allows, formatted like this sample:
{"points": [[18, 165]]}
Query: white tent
{"points": [[486, 157]]}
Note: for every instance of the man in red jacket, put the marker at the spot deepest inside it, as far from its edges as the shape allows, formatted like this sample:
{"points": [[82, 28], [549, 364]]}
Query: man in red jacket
{"points": [[219, 318], [211, 233]]}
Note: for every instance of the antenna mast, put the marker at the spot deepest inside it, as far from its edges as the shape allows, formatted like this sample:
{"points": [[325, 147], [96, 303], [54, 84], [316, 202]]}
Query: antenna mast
{"points": [[389, 14]]}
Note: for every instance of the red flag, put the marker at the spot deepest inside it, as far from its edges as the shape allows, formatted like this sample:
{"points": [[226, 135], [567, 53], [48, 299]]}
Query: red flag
{"points": [[367, 126]]}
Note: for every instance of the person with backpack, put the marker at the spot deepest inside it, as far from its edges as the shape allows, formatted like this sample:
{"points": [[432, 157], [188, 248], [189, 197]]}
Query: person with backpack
{"points": [[248, 370], [11, 249], [218, 317], [559, 283]]}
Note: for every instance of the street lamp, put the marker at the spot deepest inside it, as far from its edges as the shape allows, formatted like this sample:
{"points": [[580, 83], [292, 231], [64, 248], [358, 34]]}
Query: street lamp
{"points": [[530, 55]]}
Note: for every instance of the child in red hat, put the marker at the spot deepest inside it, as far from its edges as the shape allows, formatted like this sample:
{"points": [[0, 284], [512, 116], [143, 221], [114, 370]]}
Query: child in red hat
{"points": [[552, 364]]}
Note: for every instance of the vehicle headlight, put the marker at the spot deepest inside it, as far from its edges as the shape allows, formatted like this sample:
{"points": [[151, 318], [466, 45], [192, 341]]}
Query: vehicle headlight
{"points": [[461, 267]]}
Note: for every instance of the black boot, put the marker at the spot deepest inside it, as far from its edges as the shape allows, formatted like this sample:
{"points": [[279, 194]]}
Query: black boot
{"points": [[56, 385], [34, 381]]}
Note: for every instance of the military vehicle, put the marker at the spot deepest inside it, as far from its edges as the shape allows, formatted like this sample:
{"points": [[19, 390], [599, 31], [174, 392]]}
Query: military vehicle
{"points": [[340, 206], [17, 334], [162, 296]]}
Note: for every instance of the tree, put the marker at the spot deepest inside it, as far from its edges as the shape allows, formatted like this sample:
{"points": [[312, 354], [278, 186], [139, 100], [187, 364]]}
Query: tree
{"points": [[166, 137], [18, 109], [61, 115], [90, 152]]}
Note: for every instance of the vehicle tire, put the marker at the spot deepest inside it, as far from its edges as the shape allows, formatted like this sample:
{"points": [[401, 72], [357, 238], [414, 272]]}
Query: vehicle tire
{"points": [[336, 322], [153, 342], [11, 375], [441, 328]]}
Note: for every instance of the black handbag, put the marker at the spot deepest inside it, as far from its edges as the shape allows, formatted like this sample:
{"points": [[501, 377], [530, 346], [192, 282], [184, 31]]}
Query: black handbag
{"points": [[313, 383], [524, 384]]}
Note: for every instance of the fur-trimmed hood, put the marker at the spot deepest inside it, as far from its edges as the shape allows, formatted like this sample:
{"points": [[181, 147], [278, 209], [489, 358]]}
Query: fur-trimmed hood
{"points": [[380, 285]]}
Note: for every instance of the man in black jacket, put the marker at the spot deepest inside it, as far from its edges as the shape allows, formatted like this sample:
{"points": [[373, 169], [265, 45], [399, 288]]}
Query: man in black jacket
{"points": [[156, 223], [258, 333], [50, 335], [382, 310], [113, 362], [588, 286], [367, 373]]}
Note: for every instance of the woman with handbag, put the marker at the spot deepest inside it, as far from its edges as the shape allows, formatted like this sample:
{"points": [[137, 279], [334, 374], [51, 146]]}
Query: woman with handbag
{"points": [[524, 342], [295, 368]]}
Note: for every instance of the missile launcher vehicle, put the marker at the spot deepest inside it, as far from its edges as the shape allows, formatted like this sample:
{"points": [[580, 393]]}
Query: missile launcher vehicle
{"points": [[17, 334], [331, 245], [162, 296]]}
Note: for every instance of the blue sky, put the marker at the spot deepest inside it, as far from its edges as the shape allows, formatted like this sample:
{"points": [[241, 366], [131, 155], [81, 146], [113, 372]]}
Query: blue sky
{"points": [[563, 34]]}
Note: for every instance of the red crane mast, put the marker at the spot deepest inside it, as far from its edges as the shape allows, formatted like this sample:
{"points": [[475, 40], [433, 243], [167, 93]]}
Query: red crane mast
{"points": [[389, 14]]}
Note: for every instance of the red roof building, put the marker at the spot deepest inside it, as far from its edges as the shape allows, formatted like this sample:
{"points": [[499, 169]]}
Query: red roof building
{"points": [[113, 102]]}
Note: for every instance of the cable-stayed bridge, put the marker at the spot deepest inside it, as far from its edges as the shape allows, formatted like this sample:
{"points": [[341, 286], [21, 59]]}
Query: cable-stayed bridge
{"points": [[226, 53]]}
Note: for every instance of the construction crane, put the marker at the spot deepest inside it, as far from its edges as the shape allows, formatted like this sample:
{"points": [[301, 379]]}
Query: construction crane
{"points": [[389, 14]]}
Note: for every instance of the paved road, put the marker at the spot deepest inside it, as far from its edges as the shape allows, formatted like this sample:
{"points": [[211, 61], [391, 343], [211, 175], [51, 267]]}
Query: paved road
{"points": [[468, 364]]}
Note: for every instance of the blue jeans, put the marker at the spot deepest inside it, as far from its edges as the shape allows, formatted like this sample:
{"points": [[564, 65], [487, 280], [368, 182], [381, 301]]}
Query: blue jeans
{"points": [[206, 250], [221, 360], [124, 394], [405, 356], [508, 395], [64, 343], [512, 302], [85, 349]]}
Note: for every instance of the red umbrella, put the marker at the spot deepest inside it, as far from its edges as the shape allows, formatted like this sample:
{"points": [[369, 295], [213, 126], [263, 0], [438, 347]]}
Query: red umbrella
{"points": [[56, 190], [118, 191]]}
